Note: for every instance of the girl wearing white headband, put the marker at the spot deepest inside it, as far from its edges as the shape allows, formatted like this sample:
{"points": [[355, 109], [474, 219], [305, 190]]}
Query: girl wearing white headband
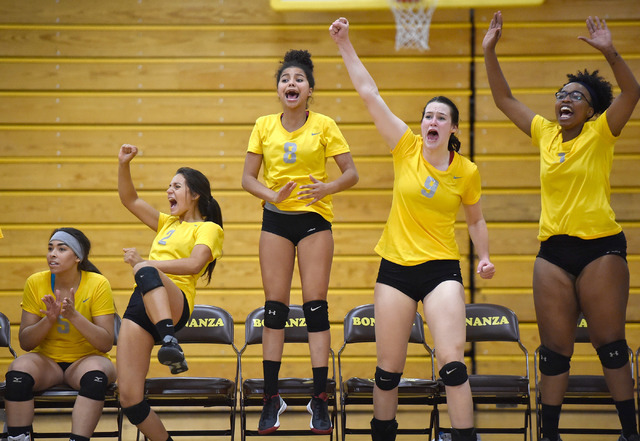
{"points": [[67, 326]]}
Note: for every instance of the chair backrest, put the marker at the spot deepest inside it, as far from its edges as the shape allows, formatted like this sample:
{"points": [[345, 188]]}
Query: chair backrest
{"points": [[359, 326], [582, 330], [489, 322], [207, 324], [5, 334], [295, 330]]}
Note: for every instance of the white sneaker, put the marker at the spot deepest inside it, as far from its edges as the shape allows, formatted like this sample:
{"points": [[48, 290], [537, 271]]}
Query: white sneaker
{"points": [[21, 437]]}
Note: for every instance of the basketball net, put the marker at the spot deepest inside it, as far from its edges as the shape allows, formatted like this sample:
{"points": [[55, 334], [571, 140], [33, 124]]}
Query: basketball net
{"points": [[413, 18]]}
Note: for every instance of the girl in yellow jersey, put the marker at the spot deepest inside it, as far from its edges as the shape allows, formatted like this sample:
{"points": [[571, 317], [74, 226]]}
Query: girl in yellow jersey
{"points": [[293, 147], [420, 258], [67, 327], [187, 244], [581, 265]]}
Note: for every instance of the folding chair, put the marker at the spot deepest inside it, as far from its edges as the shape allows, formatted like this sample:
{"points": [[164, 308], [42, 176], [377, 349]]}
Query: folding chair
{"points": [[584, 389], [498, 324], [359, 328], [207, 325], [64, 397], [296, 391]]}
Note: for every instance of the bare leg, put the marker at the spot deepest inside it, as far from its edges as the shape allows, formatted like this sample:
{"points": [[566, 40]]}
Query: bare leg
{"points": [[45, 372], [277, 256], [444, 311], [315, 255], [133, 359], [394, 314], [87, 412], [603, 290], [557, 313]]}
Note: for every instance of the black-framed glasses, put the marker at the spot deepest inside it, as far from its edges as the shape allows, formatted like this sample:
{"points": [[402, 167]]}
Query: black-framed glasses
{"points": [[575, 95]]}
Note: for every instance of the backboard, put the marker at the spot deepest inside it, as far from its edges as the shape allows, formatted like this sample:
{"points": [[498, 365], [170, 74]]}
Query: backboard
{"points": [[335, 5]]}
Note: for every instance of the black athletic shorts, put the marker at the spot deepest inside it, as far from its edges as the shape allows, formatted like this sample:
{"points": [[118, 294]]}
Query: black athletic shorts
{"points": [[419, 280], [293, 227], [138, 314], [573, 254]]}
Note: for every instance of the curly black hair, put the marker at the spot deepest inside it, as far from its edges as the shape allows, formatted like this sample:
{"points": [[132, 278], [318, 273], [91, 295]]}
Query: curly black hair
{"points": [[600, 89], [301, 59]]}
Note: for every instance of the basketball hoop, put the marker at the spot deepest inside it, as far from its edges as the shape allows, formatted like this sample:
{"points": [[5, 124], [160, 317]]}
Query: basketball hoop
{"points": [[413, 18]]}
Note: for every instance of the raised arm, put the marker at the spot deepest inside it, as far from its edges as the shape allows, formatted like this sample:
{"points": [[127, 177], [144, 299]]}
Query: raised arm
{"points": [[622, 106], [517, 112], [389, 125], [127, 191]]}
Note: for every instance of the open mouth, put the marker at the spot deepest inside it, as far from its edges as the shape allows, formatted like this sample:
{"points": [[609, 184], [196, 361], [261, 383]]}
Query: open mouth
{"points": [[432, 135], [565, 112], [291, 95], [173, 203]]}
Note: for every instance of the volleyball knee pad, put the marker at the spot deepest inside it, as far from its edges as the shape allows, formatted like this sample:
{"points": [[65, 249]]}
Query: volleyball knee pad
{"points": [[614, 355], [147, 278], [387, 380], [454, 373], [94, 385], [316, 314], [137, 413], [19, 386], [275, 314], [553, 363]]}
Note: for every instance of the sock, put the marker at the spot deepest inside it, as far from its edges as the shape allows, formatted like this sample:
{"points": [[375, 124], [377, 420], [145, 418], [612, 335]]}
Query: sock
{"points": [[550, 421], [270, 370], [74, 437], [463, 434], [382, 426], [320, 379], [19, 430], [165, 327], [627, 415]]}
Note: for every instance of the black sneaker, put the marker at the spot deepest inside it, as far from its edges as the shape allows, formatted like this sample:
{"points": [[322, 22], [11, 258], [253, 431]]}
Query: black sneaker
{"points": [[634, 437], [270, 418], [170, 354], [319, 410]]}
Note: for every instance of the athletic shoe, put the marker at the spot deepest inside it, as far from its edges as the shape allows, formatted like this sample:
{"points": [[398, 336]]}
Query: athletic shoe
{"points": [[634, 437], [270, 418], [170, 354], [21, 437], [319, 410]]}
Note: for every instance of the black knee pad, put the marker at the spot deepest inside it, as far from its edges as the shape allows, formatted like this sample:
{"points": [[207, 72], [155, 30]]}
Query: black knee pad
{"points": [[147, 279], [387, 380], [19, 386], [316, 314], [275, 314], [94, 385], [552, 363], [614, 355], [454, 373], [137, 413]]}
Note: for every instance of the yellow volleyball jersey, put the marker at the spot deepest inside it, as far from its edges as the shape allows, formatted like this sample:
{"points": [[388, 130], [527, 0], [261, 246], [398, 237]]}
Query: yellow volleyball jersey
{"points": [[64, 343], [574, 177], [425, 202], [176, 239], [293, 156]]}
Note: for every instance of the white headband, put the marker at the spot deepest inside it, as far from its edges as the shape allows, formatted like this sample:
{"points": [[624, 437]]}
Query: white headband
{"points": [[70, 241]]}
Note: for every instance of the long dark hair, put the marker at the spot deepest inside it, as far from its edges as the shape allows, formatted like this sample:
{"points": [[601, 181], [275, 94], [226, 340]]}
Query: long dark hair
{"points": [[208, 206], [85, 264], [454, 142]]}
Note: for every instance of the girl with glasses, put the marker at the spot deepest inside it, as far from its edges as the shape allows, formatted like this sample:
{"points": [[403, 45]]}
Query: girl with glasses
{"points": [[581, 265]]}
